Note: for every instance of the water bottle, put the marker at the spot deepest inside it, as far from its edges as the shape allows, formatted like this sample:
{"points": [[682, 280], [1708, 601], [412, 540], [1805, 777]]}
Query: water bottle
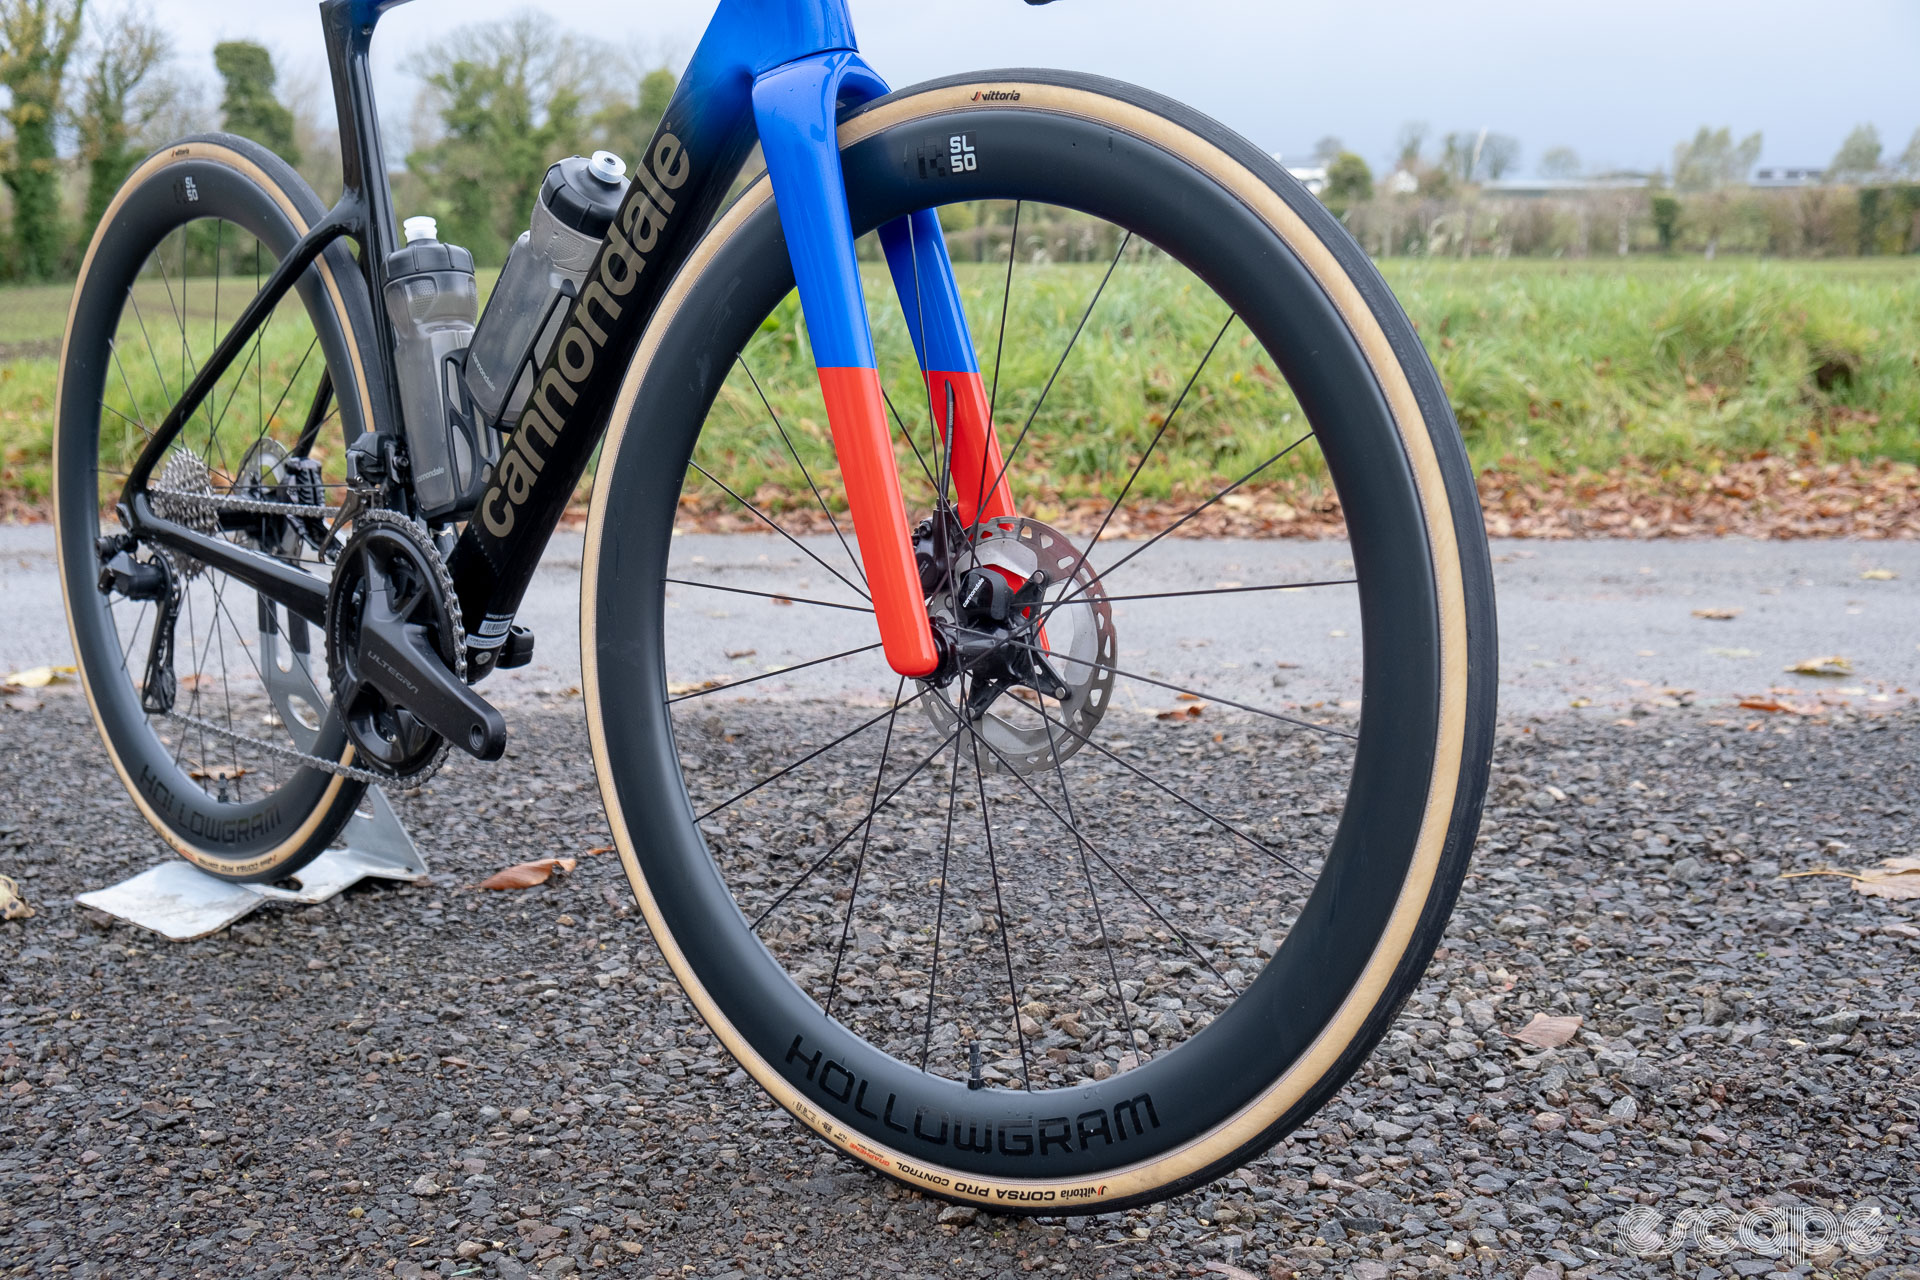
{"points": [[549, 263], [432, 301]]}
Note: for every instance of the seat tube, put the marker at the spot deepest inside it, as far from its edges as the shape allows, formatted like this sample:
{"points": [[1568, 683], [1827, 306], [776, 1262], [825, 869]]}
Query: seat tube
{"points": [[794, 110]]}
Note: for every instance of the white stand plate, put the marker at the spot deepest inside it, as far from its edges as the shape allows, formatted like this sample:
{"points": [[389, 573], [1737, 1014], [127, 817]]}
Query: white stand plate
{"points": [[179, 901]]}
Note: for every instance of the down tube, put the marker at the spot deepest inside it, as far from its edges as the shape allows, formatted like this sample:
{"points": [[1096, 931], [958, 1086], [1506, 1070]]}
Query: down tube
{"points": [[680, 183]]}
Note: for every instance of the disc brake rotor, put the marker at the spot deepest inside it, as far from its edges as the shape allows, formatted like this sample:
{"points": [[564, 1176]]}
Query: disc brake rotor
{"points": [[1027, 733]]}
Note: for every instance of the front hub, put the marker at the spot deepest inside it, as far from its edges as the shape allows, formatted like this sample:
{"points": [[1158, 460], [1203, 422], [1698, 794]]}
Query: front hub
{"points": [[1027, 639]]}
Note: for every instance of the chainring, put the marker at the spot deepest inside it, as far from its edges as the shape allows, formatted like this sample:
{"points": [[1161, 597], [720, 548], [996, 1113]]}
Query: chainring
{"points": [[388, 552], [1077, 636]]}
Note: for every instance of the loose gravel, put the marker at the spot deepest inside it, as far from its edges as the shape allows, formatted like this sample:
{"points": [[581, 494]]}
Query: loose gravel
{"points": [[443, 1081]]}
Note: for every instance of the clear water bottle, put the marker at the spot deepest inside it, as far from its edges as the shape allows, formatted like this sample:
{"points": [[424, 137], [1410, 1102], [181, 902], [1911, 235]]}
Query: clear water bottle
{"points": [[432, 300], [578, 202]]}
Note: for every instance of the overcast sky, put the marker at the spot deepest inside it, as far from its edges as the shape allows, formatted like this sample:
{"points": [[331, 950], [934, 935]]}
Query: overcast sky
{"points": [[1620, 81]]}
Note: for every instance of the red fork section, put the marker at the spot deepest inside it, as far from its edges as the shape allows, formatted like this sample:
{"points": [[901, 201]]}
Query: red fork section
{"points": [[979, 489], [857, 413]]}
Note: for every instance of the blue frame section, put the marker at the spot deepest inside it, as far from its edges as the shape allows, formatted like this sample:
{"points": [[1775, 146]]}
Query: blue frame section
{"points": [[786, 68], [922, 271], [795, 108]]}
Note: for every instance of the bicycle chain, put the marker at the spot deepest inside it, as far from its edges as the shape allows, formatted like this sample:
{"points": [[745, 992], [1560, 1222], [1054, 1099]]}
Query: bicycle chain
{"points": [[245, 506], [419, 777]]}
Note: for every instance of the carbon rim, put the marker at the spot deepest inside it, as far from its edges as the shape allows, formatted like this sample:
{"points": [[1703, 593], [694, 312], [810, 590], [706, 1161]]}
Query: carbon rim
{"points": [[1220, 1081], [165, 276]]}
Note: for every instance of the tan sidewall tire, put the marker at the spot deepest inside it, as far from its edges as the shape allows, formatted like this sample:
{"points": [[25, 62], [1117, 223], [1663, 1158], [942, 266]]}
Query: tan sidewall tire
{"points": [[1330, 1056], [309, 837]]}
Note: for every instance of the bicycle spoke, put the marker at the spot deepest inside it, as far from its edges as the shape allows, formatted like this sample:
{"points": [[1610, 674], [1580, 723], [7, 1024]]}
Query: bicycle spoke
{"points": [[1193, 693], [268, 418], [1102, 574], [1194, 805], [940, 906], [866, 840], [999, 903], [124, 418], [1234, 591], [768, 595], [1093, 895], [768, 675], [1006, 300], [980, 495], [926, 383], [133, 637], [1120, 875], [1166, 424], [838, 844], [770, 523], [811, 755], [806, 474], [918, 457]]}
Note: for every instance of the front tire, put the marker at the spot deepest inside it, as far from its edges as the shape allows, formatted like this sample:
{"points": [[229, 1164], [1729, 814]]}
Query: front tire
{"points": [[1411, 805]]}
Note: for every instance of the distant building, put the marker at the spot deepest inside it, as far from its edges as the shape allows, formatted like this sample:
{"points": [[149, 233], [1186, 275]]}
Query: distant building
{"points": [[1312, 177], [1777, 176], [1565, 186], [1400, 183]]}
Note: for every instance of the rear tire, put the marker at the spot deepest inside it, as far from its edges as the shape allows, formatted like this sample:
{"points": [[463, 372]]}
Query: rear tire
{"points": [[263, 817], [1365, 933]]}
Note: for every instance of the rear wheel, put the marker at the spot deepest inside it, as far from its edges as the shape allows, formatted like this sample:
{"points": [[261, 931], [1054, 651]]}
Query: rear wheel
{"points": [[1138, 912], [215, 724]]}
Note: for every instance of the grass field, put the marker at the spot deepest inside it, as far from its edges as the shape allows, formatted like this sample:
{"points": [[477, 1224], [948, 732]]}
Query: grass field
{"points": [[1551, 367]]}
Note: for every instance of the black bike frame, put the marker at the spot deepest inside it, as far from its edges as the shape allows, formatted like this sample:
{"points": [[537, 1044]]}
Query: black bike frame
{"points": [[678, 187]]}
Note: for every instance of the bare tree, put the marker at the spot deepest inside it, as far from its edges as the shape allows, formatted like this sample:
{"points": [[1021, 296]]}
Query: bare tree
{"points": [[1858, 158], [1560, 162], [1713, 160], [120, 94]]}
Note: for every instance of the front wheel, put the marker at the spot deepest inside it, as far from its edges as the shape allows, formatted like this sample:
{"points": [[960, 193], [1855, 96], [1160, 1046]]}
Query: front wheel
{"points": [[1071, 938]]}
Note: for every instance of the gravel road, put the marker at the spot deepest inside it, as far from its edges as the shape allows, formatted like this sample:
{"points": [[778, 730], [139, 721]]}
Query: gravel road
{"points": [[439, 1080]]}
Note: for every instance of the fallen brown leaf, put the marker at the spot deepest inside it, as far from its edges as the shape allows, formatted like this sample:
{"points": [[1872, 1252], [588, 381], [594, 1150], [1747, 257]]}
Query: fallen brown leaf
{"points": [[782, 600], [599, 849], [1230, 1271], [12, 905], [1548, 1033], [684, 687], [1776, 705], [1191, 712], [37, 677], [195, 682], [1186, 697], [526, 875], [737, 654], [1897, 878], [1831, 665], [1717, 615]]}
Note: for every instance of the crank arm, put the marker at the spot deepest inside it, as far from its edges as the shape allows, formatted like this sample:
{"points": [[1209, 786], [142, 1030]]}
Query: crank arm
{"points": [[299, 592], [398, 661]]}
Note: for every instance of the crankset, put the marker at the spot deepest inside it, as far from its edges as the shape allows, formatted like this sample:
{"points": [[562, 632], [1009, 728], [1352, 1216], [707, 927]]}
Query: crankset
{"points": [[1028, 636], [396, 652]]}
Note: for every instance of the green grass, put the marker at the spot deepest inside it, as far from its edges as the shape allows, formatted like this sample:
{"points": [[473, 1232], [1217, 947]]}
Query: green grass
{"points": [[1550, 366]]}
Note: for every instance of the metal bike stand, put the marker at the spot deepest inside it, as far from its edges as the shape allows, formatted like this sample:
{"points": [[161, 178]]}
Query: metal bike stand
{"points": [[180, 902]]}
